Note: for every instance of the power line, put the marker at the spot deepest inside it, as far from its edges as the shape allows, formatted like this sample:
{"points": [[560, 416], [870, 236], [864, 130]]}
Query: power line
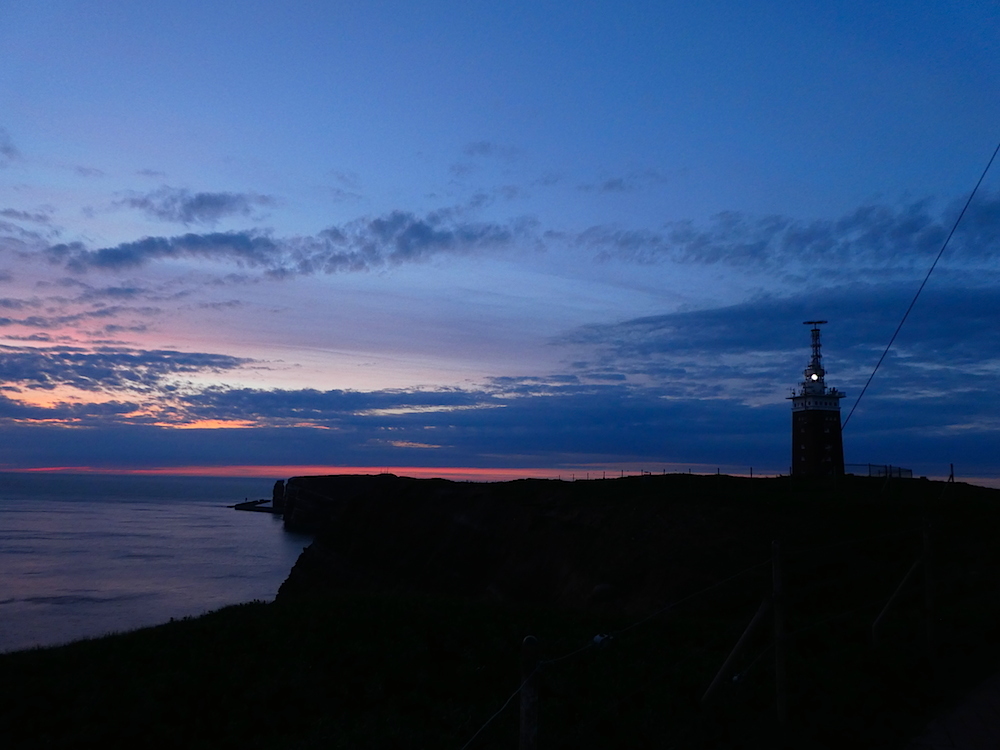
{"points": [[923, 283], [598, 639]]}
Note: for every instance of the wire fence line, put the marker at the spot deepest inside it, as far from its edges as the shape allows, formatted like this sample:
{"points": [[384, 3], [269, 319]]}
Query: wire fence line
{"points": [[686, 599], [501, 709]]}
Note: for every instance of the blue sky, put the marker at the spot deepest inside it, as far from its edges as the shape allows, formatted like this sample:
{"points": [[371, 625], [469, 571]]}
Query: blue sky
{"points": [[538, 235]]}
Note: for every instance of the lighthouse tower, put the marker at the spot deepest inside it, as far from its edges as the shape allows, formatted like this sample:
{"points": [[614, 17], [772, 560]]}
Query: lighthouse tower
{"points": [[817, 446]]}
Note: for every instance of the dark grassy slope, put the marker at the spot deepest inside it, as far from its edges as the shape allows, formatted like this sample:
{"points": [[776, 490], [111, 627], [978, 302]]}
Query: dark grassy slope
{"points": [[375, 642]]}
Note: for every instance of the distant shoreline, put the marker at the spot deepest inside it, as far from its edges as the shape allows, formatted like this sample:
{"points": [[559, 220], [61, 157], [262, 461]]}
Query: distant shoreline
{"points": [[467, 474]]}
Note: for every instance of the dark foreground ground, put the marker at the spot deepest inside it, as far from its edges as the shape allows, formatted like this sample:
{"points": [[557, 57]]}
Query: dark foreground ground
{"points": [[377, 642]]}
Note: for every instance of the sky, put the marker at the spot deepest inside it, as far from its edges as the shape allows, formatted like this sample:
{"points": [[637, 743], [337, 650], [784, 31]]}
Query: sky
{"points": [[521, 238]]}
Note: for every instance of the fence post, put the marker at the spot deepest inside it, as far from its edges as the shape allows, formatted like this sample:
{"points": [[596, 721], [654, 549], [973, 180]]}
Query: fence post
{"points": [[778, 602], [529, 694], [928, 595]]}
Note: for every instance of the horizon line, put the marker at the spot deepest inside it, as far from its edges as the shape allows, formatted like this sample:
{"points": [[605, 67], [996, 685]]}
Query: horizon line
{"points": [[576, 472], [456, 473]]}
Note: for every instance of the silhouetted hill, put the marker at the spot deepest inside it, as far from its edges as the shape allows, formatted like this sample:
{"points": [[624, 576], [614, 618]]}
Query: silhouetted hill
{"points": [[632, 543], [400, 626]]}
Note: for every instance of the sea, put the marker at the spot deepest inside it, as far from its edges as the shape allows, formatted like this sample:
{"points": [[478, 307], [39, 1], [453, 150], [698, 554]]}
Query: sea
{"points": [[82, 556]]}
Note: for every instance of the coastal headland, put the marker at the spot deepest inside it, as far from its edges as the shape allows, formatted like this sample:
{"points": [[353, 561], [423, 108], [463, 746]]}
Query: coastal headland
{"points": [[401, 624], [630, 544]]}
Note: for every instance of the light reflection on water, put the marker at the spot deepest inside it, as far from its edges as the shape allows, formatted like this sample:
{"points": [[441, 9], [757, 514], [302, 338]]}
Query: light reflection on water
{"points": [[84, 556]]}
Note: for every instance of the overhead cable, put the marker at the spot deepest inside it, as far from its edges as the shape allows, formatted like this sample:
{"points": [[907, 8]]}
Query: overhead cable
{"points": [[923, 283]]}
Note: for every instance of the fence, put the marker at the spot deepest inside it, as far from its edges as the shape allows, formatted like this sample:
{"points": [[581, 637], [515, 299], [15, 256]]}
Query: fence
{"points": [[878, 470]]}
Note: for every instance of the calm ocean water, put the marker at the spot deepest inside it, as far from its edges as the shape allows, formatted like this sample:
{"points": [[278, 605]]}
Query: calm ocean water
{"points": [[81, 556]]}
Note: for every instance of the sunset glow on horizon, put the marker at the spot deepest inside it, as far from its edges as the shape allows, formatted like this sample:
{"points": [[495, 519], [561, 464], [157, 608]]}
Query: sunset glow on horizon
{"points": [[454, 473]]}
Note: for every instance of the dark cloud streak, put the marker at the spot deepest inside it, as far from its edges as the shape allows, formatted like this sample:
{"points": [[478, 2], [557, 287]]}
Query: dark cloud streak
{"points": [[8, 152], [937, 379], [105, 368], [876, 235], [242, 247], [16, 215], [873, 239], [98, 313], [184, 207], [397, 237]]}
